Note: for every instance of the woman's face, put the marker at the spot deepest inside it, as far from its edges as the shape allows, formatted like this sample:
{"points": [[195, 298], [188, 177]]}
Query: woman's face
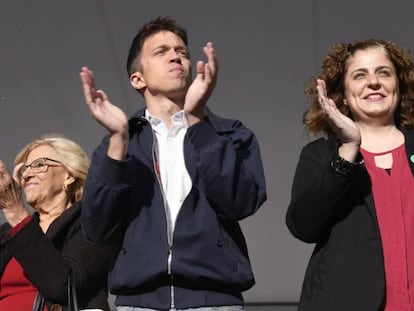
{"points": [[43, 183], [371, 86]]}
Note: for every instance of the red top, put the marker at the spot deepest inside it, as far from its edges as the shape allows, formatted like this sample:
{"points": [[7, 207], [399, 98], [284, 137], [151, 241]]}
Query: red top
{"points": [[394, 203], [17, 293]]}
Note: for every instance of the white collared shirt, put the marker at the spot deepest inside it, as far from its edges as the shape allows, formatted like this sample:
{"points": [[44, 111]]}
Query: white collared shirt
{"points": [[169, 152]]}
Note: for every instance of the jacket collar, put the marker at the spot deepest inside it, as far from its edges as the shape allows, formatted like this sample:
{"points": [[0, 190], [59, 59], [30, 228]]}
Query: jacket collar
{"points": [[65, 219], [409, 146], [221, 125]]}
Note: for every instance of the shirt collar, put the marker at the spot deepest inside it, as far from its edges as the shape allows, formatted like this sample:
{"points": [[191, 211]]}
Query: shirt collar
{"points": [[178, 120]]}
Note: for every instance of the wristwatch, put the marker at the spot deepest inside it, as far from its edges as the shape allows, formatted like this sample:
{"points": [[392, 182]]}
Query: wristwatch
{"points": [[342, 166]]}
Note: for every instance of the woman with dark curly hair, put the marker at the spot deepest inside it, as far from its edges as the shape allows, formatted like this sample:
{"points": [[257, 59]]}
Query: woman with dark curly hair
{"points": [[352, 192]]}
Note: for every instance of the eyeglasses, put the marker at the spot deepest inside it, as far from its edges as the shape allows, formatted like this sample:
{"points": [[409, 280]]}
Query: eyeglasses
{"points": [[39, 165]]}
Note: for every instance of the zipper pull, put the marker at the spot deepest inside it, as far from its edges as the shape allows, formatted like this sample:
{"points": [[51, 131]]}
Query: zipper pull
{"points": [[169, 250]]}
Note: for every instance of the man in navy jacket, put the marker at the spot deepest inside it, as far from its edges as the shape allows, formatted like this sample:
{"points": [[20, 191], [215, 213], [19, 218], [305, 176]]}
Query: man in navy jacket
{"points": [[174, 180]]}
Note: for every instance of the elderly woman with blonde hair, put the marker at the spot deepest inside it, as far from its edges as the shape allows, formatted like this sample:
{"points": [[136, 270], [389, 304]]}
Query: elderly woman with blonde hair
{"points": [[39, 251]]}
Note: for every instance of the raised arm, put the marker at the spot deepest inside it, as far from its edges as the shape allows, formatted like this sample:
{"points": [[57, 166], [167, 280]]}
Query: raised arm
{"points": [[103, 196], [10, 195], [227, 158], [108, 115], [346, 129], [320, 194], [202, 86]]}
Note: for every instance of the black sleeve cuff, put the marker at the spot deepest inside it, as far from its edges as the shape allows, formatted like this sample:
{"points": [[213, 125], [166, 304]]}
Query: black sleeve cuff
{"points": [[344, 167]]}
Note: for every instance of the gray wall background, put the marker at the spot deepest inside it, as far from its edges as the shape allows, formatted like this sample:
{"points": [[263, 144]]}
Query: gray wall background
{"points": [[267, 51]]}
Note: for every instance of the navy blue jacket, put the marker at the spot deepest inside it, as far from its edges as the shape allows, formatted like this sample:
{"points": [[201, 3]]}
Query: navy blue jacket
{"points": [[210, 264], [346, 270]]}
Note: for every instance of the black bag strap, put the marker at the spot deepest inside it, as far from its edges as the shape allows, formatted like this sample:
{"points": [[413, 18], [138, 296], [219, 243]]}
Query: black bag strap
{"points": [[39, 302], [72, 297]]}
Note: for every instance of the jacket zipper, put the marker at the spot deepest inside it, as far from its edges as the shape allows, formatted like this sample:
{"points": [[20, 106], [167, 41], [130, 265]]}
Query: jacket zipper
{"points": [[168, 219]]}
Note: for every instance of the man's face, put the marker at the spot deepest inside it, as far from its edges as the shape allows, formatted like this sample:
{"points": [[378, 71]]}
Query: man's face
{"points": [[165, 65]]}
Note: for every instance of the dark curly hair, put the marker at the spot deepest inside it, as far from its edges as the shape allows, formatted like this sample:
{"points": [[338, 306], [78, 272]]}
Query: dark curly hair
{"points": [[161, 23], [333, 71]]}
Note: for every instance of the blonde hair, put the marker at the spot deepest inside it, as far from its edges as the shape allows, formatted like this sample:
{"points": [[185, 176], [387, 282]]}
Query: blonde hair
{"points": [[73, 157]]}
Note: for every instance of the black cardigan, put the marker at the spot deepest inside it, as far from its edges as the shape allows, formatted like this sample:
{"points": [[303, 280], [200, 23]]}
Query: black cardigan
{"points": [[48, 259], [346, 269]]}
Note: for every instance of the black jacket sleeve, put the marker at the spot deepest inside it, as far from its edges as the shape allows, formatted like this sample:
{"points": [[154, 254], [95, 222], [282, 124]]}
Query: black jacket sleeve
{"points": [[318, 193], [47, 266]]}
